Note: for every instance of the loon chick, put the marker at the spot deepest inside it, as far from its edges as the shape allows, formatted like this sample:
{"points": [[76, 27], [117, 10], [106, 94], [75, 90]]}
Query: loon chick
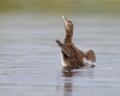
{"points": [[73, 58]]}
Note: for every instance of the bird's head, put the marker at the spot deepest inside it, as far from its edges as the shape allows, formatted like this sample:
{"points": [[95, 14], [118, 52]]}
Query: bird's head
{"points": [[68, 26]]}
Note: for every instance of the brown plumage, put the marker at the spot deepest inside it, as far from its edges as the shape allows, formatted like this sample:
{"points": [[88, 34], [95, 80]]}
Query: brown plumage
{"points": [[73, 57]]}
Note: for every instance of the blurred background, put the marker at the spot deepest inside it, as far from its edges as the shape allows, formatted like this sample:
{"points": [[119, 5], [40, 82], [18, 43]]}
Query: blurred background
{"points": [[30, 58], [62, 6]]}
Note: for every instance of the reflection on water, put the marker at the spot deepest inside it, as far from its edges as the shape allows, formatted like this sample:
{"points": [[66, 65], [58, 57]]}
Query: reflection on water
{"points": [[68, 79], [30, 59], [68, 83]]}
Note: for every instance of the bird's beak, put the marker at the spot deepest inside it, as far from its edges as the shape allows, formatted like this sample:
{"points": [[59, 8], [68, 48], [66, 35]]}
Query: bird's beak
{"points": [[65, 20]]}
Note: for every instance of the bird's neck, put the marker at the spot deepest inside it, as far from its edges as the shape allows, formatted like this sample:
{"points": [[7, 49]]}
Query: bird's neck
{"points": [[68, 38]]}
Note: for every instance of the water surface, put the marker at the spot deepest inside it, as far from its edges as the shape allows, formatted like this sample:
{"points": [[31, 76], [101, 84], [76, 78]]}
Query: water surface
{"points": [[30, 59]]}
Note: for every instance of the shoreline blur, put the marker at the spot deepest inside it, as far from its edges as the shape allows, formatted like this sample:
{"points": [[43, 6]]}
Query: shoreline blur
{"points": [[110, 7]]}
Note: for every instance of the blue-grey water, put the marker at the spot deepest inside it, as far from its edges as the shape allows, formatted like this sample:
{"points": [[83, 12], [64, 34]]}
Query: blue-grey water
{"points": [[30, 59]]}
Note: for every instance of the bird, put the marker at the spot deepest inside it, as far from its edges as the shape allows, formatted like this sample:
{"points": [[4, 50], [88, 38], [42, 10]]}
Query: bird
{"points": [[73, 57]]}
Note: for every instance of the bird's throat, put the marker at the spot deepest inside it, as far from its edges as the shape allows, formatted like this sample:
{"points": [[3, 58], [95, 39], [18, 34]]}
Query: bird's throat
{"points": [[68, 38]]}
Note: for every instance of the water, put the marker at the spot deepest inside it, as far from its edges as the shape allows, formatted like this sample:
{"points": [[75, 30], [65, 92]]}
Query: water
{"points": [[30, 58]]}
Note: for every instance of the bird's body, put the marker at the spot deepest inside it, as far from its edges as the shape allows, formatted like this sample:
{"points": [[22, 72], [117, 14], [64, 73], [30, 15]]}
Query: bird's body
{"points": [[72, 57]]}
